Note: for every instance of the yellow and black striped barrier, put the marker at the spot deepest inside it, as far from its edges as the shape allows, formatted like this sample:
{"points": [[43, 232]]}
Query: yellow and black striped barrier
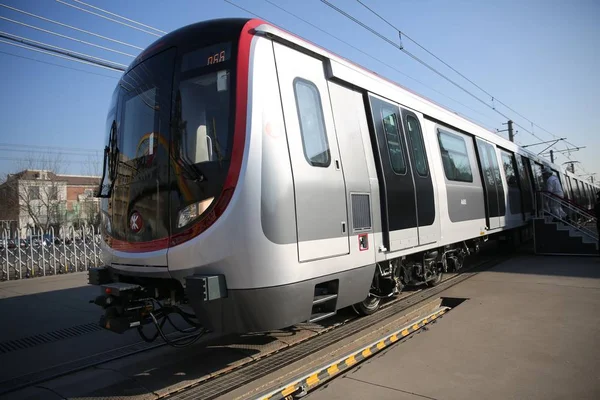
{"points": [[303, 385]]}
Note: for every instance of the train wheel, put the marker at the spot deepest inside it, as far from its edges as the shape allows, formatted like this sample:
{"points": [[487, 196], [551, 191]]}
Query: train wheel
{"points": [[368, 306], [438, 278]]}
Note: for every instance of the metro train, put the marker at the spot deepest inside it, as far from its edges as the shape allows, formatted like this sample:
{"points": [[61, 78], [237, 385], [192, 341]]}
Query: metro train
{"points": [[254, 181]]}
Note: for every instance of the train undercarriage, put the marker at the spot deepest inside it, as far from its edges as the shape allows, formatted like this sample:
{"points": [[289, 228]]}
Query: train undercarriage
{"points": [[134, 302], [425, 268]]}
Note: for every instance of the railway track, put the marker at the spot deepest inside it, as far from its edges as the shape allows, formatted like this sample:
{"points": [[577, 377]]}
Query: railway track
{"points": [[216, 384]]}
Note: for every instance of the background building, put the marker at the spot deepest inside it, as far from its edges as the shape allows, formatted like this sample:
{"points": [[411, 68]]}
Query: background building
{"points": [[43, 199]]}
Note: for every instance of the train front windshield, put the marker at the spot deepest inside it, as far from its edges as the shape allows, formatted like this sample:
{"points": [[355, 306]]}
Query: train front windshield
{"points": [[173, 143]]}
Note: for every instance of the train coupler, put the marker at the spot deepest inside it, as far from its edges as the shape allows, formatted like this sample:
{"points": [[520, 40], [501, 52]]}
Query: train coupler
{"points": [[125, 305]]}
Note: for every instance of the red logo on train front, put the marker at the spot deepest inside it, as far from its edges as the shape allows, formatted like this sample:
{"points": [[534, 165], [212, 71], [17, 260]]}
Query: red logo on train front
{"points": [[135, 222]]}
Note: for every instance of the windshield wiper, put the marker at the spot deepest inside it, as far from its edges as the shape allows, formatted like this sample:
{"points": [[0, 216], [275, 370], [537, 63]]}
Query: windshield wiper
{"points": [[111, 158]]}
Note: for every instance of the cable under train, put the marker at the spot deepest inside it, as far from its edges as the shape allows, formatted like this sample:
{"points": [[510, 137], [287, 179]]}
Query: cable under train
{"points": [[253, 181]]}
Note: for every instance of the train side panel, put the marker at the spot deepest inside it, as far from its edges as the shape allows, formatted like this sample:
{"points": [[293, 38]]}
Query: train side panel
{"points": [[459, 183]]}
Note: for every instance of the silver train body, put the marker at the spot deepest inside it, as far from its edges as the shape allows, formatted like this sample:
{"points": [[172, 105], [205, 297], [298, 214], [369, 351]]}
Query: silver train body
{"points": [[343, 180]]}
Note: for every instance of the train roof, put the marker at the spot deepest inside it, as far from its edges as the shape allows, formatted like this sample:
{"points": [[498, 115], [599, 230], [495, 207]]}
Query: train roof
{"points": [[342, 69]]}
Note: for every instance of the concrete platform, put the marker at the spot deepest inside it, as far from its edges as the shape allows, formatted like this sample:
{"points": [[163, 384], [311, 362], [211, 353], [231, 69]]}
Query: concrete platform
{"points": [[530, 329], [54, 308]]}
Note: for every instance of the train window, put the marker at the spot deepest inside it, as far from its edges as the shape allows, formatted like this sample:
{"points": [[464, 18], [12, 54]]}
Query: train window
{"points": [[418, 147], [537, 175], [486, 164], [455, 157], [570, 188], [392, 135], [578, 196], [563, 181], [139, 116], [204, 105], [525, 183], [495, 166], [312, 123], [508, 162]]}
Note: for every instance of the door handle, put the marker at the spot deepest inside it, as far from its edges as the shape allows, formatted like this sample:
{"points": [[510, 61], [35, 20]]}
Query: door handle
{"points": [[343, 227], [337, 165]]}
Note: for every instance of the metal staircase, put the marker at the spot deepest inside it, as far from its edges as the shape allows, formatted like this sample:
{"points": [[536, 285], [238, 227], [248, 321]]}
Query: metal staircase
{"points": [[563, 228]]}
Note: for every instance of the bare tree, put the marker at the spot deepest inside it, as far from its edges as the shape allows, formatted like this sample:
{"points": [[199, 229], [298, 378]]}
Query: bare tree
{"points": [[35, 195], [93, 164], [91, 212]]}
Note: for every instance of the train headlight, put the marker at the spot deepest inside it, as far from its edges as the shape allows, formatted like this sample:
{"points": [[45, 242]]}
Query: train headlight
{"points": [[193, 211]]}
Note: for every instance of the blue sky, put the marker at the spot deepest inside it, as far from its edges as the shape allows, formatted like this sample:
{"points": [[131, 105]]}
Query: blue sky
{"points": [[538, 56]]}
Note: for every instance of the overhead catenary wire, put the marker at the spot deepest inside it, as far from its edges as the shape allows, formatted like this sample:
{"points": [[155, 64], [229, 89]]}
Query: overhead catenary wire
{"points": [[424, 64], [66, 37], [91, 33], [57, 65], [71, 27], [440, 60], [362, 24], [107, 18], [408, 53], [53, 161], [119, 16], [53, 53], [33, 146], [56, 152], [494, 98], [66, 52], [363, 52], [379, 61]]}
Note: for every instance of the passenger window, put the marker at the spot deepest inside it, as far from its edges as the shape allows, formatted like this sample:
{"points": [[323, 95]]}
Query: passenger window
{"points": [[508, 162], [486, 164], [455, 157], [416, 142], [522, 165], [537, 174], [495, 167], [312, 123], [390, 126]]}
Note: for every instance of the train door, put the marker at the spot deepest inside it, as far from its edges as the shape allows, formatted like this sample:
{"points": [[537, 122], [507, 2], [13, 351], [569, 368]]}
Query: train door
{"points": [[524, 172], [428, 231], [492, 184], [397, 187], [515, 195], [536, 169], [319, 186]]}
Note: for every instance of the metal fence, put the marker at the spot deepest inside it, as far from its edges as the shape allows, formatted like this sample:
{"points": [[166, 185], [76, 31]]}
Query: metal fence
{"points": [[42, 253]]}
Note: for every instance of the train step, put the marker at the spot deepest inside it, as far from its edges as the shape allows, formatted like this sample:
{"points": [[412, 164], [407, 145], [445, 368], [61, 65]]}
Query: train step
{"points": [[323, 298], [321, 316], [324, 304]]}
